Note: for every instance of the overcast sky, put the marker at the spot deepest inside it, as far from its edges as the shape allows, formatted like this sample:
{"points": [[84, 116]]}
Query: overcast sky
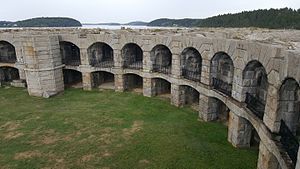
{"points": [[96, 11]]}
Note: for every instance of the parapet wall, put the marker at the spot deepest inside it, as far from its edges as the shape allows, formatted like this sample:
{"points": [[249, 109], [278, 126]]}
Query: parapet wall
{"points": [[234, 64]]}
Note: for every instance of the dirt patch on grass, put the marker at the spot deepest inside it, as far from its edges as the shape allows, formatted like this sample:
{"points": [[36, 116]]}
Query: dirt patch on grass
{"points": [[144, 161], [136, 126], [10, 130], [107, 135], [44, 138], [49, 140], [71, 136], [5, 167], [12, 135], [10, 126], [27, 155], [51, 137], [59, 162], [106, 154], [87, 158]]}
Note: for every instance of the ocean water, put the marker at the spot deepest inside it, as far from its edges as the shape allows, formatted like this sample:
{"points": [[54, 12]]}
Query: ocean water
{"points": [[124, 26], [97, 26], [112, 27]]}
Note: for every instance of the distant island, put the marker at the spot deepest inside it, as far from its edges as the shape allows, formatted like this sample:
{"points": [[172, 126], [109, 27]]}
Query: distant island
{"points": [[137, 23], [284, 18], [43, 22]]}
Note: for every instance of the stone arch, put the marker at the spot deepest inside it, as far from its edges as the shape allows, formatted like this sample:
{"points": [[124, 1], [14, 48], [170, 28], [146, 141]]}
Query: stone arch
{"points": [[289, 104], [72, 78], [218, 110], [161, 87], [161, 58], [241, 133], [101, 55], [133, 56], [8, 74], [221, 72], [133, 82], [103, 80], [70, 53], [255, 87], [7, 52], [191, 64], [189, 96]]}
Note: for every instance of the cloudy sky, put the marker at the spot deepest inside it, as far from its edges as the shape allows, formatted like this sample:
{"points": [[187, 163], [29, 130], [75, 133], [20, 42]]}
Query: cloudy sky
{"points": [[96, 11]]}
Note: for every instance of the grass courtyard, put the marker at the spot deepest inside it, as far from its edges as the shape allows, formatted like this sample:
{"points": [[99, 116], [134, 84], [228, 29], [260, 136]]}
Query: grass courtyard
{"points": [[110, 130]]}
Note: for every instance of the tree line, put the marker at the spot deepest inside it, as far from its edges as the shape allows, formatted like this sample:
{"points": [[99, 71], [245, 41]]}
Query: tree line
{"points": [[43, 22], [284, 18]]}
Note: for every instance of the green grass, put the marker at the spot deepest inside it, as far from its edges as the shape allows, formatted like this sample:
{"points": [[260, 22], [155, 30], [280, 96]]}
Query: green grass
{"points": [[80, 129]]}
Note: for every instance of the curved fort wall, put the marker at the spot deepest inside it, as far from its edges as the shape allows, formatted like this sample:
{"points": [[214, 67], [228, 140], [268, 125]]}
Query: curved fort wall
{"points": [[251, 82]]}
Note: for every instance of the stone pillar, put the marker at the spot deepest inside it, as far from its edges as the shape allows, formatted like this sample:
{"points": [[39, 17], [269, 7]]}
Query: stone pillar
{"points": [[298, 160], [87, 80], [21, 67], [205, 72], [147, 63], [119, 83], [176, 95], [20, 64], [266, 160], [239, 131], [176, 66], [118, 60], [205, 112], [271, 116], [43, 67], [237, 86], [84, 58], [203, 107], [147, 87]]}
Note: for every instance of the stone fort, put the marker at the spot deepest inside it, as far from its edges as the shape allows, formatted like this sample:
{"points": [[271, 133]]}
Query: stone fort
{"points": [[247, 78]]}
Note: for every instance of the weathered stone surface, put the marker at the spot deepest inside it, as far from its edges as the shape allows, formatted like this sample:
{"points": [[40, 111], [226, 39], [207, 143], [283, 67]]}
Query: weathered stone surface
{"points": [[18, 83], [266, 160], [239, 131], [164, 57]]}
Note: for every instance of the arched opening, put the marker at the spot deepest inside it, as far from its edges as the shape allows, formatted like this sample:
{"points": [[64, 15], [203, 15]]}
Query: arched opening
{"points": [[72, 78], [133, 82], [103, 80], [191, 63], [255, 139], [133, 56], [101, 55], [255, 86], [161, 58], [221, 73], [70, 53], [189, 97], [7, 52], [9, 75], [289, 110], [218, 110], [289, 104], [241, 132], [161, 87]]}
